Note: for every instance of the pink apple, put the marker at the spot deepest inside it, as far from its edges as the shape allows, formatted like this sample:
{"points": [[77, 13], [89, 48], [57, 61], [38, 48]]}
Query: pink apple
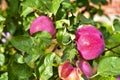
{"points": [[68, 72], [42, 23], [90, 42], [118, 78], [74, 75], [85, 68]]}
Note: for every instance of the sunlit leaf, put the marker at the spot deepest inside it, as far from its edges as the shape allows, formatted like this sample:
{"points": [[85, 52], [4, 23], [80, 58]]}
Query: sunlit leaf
{"points": [[62, 23], [109, 66], [4, 76], [55, 6], [46, 70], [2, 18], [27, 11], [2, 59], [116, 24]]}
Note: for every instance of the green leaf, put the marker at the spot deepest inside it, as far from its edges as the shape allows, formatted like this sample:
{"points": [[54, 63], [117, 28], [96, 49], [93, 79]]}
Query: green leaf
{"points": [[43, 40], [13, 7], [81, 3], [44, 5], [59, 36], [19, 58], [40, 5], [2, 59], [2, 18], [61, 14], [4, 76], [80, 19], [66, 39], [31, 58], [69, 53], [19, 71], [62, 23], [63, 37], [105, 2], [83, 19], [116, 37], [55, 6], [103, 78], [12, 28], [105, 32], [22, 43], [27, 11], [27, 22], [116, 25], [30, 3], [95, 1], [109, 66], [68, 5], [1, 29], [45, 69]]}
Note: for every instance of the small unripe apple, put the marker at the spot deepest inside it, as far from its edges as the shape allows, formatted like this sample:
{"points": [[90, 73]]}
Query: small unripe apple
{"points": [[86, 68], [42, 23], [90, 42], [68, 72]]}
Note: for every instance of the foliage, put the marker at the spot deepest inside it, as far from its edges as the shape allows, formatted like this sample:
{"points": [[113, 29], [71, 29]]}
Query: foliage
{"points": [[37, 57]]}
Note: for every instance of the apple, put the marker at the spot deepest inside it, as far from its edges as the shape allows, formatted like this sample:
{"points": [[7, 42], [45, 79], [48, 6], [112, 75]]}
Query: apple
{"points": [[68, 72], [42, 23], [85, 67], [90, 42], [74, 75], [118, 78]]}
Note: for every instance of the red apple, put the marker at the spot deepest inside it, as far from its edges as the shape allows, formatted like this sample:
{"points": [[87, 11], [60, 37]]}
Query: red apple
{"points": [[68, 72], [85, 67], [90, 42], [42, 23], [118, 78], [74, 75]]}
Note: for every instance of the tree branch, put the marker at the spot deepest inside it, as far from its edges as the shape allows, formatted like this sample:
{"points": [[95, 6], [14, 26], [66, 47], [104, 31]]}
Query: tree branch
{"points": [[111, 49]]}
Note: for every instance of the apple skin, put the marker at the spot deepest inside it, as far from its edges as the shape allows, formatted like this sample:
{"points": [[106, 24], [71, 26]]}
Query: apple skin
{"points": [[118, 78], [85, 67], [68, 72], [90, 42], [42, 23], [74, 75]]}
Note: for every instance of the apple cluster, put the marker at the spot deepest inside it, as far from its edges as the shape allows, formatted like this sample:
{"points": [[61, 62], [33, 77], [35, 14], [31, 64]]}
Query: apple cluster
{"points": [[68, 72], [90, 45]]}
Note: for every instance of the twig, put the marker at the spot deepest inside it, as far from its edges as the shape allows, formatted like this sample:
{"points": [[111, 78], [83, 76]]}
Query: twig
{"points": [[109, 49]]}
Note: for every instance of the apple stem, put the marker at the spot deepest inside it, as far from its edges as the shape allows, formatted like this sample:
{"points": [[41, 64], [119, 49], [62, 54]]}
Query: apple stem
{"points": [[94, 75]]}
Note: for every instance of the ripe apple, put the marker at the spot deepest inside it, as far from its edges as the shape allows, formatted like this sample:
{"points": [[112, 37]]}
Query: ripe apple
{"points": [[68, 72], [90, 42], [118, 78], [85, 67], [42, 23]]}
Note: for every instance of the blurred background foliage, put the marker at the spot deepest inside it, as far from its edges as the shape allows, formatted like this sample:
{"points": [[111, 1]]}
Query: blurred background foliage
{"points": [[26, 57]]}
